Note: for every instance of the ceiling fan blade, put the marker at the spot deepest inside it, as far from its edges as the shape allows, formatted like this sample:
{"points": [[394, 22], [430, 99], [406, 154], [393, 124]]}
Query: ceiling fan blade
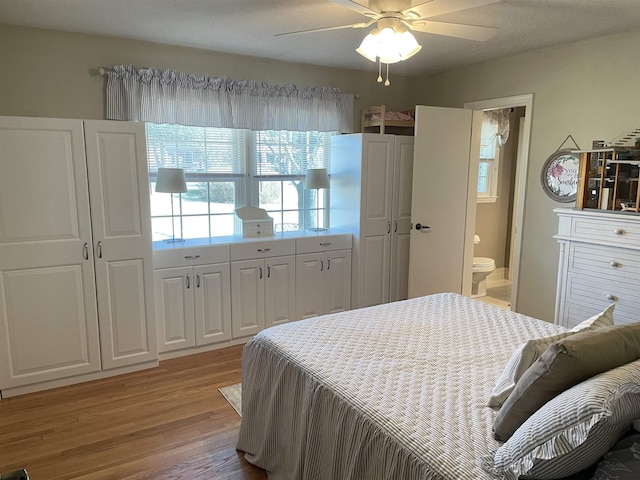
{"points": [[468, 32], [326, 29], [440, 7], [357, 7]]}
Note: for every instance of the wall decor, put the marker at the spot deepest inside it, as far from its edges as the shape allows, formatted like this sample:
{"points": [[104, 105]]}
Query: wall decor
{"points": [[560, 173]]}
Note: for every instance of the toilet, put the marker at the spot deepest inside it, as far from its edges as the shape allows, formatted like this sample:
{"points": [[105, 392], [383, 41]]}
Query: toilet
{"points": [[482, 267]]}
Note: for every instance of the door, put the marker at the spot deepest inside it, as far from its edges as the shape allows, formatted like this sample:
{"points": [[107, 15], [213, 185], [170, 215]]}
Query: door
{"points": [[212, 285], [401, 233], [280, 290], [174, 308], [309, 285], [376, 219], [48, 315], [121, 223], [247, 297], [337, 281], [443, 203]]}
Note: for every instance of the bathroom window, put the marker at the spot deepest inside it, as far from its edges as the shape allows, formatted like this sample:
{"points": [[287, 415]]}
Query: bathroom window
{"points": [[490, 146]]}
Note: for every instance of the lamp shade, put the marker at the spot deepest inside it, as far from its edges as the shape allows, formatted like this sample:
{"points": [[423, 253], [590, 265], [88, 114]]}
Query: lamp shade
{"points": [[317, 178], [171, 180], [389, 45]]}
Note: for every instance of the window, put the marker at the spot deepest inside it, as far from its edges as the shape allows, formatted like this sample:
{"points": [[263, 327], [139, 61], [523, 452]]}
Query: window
{"points": [[226, 169], [489, 160]]}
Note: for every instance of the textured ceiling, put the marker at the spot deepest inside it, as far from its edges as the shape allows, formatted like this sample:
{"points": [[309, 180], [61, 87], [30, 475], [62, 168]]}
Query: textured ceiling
{"points": [[249, 27]]}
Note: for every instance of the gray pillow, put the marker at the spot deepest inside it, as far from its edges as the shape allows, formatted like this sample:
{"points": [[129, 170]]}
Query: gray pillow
{"points": [[527, 353], [573, 430], [566, 363]]}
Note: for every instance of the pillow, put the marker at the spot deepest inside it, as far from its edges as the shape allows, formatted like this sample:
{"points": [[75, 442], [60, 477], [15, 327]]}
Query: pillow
{"points": [[524, 356], [564, 364], [573, 430]]}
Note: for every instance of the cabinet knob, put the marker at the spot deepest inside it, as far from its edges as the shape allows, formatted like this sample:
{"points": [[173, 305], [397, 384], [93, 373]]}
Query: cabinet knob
{"points": [[619, 231], [612, 298], [615, 264]]}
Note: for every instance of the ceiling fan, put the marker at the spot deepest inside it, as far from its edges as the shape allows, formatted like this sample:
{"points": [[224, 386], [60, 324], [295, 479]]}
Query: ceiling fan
{"points": [[391, 41]]}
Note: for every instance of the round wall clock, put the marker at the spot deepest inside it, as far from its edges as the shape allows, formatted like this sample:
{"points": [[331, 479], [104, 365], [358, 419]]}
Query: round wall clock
{"points": [[560, 175]]}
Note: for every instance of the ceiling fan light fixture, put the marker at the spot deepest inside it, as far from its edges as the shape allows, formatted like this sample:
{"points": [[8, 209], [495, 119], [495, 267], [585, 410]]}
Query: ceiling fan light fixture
{"points": [[389, 45]]}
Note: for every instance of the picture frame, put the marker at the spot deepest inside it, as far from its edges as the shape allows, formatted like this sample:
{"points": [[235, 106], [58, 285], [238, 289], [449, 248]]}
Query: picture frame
{"points": [[560, 175]]}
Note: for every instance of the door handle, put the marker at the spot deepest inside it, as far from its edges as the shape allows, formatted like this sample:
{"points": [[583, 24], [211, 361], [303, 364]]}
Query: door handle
{"points": [[188, 281], [99, 249], [388, 227], [321, 265], [260, 268], [197, 280], [419, 226], [328, 264], [268, 271], [395, 226]]}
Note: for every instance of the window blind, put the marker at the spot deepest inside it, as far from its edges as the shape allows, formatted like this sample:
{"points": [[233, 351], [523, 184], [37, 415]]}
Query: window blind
{"points": [[286, 153]]}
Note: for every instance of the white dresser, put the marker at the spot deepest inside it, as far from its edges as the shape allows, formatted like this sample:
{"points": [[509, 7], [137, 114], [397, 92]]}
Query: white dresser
{"points": [[599, 265]]}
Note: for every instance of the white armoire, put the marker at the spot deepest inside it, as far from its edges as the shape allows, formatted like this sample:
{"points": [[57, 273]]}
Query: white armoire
{"points": [[371, 177], [76, 286]]}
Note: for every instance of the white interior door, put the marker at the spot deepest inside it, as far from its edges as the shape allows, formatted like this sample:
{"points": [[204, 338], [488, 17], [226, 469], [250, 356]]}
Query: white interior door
{"points": [[48, 316], [442, 210]]}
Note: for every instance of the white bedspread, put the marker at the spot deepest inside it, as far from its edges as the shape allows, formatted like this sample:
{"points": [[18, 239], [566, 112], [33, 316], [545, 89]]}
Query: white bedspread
{"points": [[396, 391]]}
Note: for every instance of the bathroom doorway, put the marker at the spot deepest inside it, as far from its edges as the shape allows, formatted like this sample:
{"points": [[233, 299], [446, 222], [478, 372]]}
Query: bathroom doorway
{"points": [[499, 215]]}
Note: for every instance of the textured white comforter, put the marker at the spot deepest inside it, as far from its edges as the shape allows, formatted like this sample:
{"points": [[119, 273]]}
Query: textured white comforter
{"points": [[396, 391]]}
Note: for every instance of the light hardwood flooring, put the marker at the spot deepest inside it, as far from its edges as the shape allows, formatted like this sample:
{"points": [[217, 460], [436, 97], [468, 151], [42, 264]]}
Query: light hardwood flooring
{"points": [[169, 422]]}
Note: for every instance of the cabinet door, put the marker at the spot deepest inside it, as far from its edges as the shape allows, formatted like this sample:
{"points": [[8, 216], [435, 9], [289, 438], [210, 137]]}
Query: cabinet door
{"points": [[212, 303], [247, 297], [48, 315], [310, 285], [376, 220], [174, 308], [338, 281], [121, 222], [401, 211], [280, 290]]}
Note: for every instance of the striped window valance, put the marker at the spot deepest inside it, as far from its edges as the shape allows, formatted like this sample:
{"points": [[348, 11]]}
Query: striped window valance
{"points": [[168, 96]]}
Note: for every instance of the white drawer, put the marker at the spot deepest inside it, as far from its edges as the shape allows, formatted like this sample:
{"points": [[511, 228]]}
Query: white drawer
{"points": [[262, 249], [615, 230], [182, 257], [591, 294], [323, 243], [613, 263]]}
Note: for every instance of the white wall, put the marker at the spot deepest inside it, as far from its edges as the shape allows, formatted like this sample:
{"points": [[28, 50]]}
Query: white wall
{"points": [[589, 90], [48, 74]]}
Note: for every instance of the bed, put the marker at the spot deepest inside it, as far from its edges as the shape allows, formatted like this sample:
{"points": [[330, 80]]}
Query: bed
{"points": [[395, 391]]}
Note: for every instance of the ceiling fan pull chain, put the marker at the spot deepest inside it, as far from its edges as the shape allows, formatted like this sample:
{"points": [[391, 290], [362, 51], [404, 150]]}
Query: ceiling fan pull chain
{"points": [[387, 82], [379, 70]]}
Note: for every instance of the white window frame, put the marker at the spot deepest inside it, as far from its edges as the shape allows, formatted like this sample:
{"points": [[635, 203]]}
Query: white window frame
{"points": [[247, 192], [489, 156]]}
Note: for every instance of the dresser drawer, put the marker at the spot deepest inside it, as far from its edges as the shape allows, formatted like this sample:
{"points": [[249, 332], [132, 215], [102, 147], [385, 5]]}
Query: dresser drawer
{"points": [[248, 250], [323, 243], [591, 294], [611, 231], [188, 256], [613, 263]]}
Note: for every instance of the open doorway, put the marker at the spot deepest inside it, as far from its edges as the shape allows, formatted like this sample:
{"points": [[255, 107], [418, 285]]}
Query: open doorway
{"points": [[500, 222]]}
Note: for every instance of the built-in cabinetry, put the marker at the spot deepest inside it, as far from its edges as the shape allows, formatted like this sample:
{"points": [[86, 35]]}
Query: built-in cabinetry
{"points": [[323, 273], [599, 265], [263, 285], [193, 296], [371, 183], [76, 284]]}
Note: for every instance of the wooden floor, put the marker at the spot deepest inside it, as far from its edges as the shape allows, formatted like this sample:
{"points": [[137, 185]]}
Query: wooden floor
{"points": [[169, 422]]}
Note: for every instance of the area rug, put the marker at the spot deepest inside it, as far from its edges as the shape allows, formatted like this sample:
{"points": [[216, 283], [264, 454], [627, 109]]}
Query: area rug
{"points": [[233, 395]]}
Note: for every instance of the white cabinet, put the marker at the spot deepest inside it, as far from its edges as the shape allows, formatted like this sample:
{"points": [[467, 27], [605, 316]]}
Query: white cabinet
{"points": [[263, 285], [323, 273], [76, 293], [599, 265], [193, 297], [371, 182]]}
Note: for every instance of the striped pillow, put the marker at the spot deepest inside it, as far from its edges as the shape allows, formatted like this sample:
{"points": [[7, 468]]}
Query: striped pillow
{"points": [[527, 353], [572, 431]]}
